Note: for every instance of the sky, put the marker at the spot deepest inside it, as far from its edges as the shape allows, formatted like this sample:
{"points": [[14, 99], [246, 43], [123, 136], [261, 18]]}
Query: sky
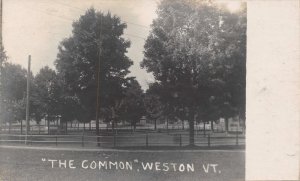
{"points": [[36, 27]]}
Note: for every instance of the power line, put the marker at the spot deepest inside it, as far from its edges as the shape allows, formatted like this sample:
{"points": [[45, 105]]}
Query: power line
{"points": [[76, 8], [137, 24], [69, 19], [134, 36], [51, 14], [27, 100]]}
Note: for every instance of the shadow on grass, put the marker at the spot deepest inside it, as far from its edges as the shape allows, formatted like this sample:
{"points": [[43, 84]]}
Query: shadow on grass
{"points": [[189, 147]]}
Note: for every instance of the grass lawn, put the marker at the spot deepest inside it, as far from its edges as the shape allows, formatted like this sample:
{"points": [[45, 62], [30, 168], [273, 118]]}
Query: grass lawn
{"points": [[27, 164]]}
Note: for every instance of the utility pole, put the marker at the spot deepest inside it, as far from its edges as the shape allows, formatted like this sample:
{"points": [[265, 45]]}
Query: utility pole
{"points": [[1, 10], [27, 99], [98, 86]]}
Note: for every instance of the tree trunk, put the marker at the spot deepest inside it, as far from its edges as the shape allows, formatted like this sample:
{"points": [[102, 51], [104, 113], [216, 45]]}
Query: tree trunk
{"points": [[39, 129], [97, 127], [56, 124], [155, 123], [66, 128], [84, 126], [182, 124], [90, 125], [226, 125], [48, 125], [204, 129], [113, 126], [116, 127], [212, 126], [134, 126], [21, 126], [9, 126], [244, 126], [167, 125], [191, 133]]}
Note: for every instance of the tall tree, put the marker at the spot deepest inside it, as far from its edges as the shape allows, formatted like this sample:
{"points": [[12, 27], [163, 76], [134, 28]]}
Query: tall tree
{"points": [[153, 104], [13, 88], [46, 95], [96, 39], [234, 66], [194, 50], [132, 105], [3, 59]]}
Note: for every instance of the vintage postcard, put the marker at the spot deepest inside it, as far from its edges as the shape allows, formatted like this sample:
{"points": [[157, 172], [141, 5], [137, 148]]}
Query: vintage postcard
{"points": [[149, 90]]}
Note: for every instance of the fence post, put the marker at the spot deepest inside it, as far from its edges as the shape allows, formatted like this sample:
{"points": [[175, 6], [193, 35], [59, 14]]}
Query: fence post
{"points": [[208, 140], [98, 140], [115, 140], [82, 141], [237, 139], [21, 127], [56, 140], [180, 140], [146, 139]]}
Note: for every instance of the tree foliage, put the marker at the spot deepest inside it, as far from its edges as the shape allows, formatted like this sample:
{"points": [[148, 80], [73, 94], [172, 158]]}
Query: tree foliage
{"points": [[196, 52], [46, 95], [133, 106], [3, 57], [96, 38], [13, 89]]}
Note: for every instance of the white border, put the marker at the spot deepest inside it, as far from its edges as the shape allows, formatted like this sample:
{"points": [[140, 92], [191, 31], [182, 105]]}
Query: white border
{"points": [[273, 87]]}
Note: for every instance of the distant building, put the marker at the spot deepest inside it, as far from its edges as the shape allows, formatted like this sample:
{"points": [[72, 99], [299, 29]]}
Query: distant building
{"points": [[235, 124], [143, 120]]}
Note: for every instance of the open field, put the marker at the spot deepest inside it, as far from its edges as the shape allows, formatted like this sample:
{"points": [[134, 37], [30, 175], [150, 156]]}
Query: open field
{"points": [[27, 164]]}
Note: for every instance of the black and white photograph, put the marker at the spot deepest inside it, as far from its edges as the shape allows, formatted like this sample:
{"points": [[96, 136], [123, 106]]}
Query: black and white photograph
{"points": [[125, 90]]}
